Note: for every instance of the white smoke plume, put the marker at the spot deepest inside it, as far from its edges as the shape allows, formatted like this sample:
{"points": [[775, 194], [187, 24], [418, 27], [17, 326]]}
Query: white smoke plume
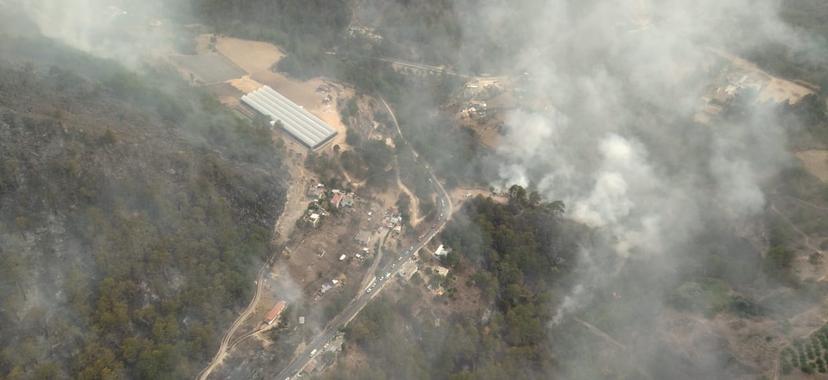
{"points": [[623, 80], [130, 32], [615, 139]]}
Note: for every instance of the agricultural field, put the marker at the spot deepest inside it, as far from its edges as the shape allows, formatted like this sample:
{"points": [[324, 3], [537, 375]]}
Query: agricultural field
{"points": [[231, 67], [816, 162], [208, 68], [808, 355]]}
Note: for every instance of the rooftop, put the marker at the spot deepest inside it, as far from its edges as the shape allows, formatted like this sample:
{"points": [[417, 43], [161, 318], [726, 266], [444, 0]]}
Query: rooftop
{"points": [[275, 312], [337, 199], [301, 124]]}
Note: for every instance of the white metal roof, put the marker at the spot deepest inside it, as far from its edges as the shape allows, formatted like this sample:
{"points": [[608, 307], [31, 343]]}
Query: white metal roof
{"points": [[300, 123]]}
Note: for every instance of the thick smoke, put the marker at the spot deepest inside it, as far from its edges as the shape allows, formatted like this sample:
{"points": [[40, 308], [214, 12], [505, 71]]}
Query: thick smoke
{"points": [[130, 32], [616, 140], [620, 82]]}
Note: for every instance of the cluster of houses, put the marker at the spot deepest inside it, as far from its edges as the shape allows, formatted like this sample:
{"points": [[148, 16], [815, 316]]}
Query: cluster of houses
{"points": [[328, 286], [364, 33], [740, 77], [318, 194], [475, 109], [393, 221], [438, 272], [722, 95], [274, 313]]}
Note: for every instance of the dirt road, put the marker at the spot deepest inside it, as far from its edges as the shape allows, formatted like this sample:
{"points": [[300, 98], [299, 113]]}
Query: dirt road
{"points": [[228, 335], [805, 237], [365, 296], [294, 208], [414, 207]]}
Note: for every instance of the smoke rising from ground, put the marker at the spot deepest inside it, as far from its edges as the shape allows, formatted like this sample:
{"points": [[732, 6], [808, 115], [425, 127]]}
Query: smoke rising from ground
{"points": [[621, 82], [127, 31]]}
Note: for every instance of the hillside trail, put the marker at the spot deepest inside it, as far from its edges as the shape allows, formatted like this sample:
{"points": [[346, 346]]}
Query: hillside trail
{"points": [[293, 210], [805, 203], [600, 333], [805, 237], [354, 183], [807, 241], [608, 338], [414, 205]]}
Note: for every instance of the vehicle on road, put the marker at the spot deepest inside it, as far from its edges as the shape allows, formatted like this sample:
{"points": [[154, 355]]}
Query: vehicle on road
{"points": [[294, 368]]}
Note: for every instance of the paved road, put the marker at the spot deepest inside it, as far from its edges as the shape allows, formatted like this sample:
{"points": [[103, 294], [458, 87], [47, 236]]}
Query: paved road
{"points": [[365, 296]]}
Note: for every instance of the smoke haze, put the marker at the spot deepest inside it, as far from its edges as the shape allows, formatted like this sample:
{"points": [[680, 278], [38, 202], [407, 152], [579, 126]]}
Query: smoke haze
{"points": [[623, 80], [609, 90], [127, 31]]}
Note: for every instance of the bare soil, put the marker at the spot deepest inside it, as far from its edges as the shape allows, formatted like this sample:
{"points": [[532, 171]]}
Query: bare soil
{"points": [[295, 206], [414, 206], [754, 343], [815, 162], [487, 130], [317, 258], [210, 68], [459, 195], [245, 84], [226, 94], [781, 91], [318, 96], [774, 88], [251, 56], [236, 67]]}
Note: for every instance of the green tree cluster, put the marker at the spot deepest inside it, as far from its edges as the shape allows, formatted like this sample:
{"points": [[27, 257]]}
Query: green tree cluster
{"points": [[129, 223], [514, 248]]}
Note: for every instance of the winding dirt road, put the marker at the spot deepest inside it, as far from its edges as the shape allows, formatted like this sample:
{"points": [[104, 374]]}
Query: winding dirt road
{"points": [[293, 210], [355, 306], [302, 358], [228, 335]]}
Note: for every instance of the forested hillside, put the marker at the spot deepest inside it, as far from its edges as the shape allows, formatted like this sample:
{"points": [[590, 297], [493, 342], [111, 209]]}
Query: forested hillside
{"points": [[512, 249], [298, 25], [132, 212]]}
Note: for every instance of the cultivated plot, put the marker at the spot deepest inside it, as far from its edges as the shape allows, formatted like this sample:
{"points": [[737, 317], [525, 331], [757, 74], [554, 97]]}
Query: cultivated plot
{"points": [[209, 68]]}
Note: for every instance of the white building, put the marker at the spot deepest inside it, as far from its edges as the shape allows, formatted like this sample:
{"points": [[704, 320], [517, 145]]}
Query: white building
{"points": [[441, 251], [297, 121]]}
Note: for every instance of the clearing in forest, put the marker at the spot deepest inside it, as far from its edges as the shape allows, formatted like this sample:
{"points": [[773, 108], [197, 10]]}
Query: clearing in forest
{"points": [[208, 68], [815, 162], [257, 59]]}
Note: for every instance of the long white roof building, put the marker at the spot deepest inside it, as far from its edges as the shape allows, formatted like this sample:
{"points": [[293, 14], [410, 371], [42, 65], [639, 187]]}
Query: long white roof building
{"points": [[301, 124]]}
